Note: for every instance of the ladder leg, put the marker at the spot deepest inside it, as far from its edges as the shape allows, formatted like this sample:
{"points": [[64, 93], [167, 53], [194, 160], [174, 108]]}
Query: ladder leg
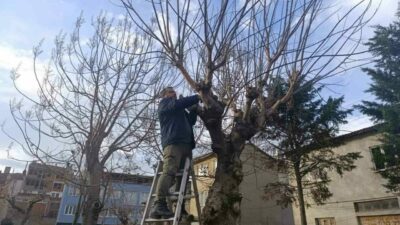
{"points": [[196, 194], [185, 177], [152, 190], [186, 173]]}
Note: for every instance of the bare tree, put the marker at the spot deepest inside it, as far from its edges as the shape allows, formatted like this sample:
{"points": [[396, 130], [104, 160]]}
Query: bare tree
{"points": [[232, 52], [90, 102], [25, 212]]}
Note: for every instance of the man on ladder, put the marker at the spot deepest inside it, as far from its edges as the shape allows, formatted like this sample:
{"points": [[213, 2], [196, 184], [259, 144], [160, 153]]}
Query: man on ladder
{"points": [[177, 141]]}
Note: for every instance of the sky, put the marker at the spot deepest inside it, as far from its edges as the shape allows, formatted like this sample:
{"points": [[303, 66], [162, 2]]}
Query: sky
{"points": [[25, 23]]}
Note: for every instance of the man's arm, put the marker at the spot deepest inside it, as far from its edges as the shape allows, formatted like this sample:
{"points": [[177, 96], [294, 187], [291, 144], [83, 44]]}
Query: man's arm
{"points": [[170, 104], [192, 115]]}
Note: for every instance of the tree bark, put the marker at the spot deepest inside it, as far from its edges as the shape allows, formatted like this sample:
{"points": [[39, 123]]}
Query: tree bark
{"points": [[93, 204], [224, 197], [303, 216]]}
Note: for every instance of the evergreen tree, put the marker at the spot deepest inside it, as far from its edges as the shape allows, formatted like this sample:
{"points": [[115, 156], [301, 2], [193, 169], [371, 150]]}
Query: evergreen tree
{"points": [[385, 46], [304, 132]]}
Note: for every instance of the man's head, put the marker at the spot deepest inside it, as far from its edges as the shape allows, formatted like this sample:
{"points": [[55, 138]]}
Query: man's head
{"points": [[168, 92]]}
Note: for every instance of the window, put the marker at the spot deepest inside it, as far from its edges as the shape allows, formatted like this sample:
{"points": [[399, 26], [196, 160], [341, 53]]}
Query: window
{"points": [[130, 198], [57, 186], [69, 210], [325, 221], [73, 191], [378, 158], [116, 194], [385, 204], [55, 195], [203, 170], [384, 157]]}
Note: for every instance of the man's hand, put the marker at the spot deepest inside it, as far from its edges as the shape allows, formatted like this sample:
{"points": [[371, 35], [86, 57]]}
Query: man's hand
{"points": [[193, 108]]}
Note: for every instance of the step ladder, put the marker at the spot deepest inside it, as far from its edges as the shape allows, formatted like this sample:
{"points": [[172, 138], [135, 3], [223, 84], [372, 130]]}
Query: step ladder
{"points": [[187, 176]]}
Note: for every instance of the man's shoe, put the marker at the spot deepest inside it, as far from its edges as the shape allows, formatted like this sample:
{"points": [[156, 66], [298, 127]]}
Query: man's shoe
{"points": [[160, 210]]}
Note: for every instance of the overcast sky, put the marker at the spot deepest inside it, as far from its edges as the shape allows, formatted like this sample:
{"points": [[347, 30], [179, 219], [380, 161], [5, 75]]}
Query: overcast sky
{"points": [[25, 22]]}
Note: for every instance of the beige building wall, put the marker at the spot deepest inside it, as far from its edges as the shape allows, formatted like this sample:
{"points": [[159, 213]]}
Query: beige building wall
{"points": [[362, 184], [258, 173], [254, 209], [204, 171]]}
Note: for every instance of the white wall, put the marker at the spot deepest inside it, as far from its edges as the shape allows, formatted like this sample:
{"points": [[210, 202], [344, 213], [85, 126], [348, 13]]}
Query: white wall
{"points": [[361, 184]]}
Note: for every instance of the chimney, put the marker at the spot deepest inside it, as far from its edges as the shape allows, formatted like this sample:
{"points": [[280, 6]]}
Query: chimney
{"points": [[7, 170]]}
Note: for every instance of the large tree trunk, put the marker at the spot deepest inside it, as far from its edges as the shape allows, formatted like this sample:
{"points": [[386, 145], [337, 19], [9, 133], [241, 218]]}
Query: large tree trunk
{"points": [[93, 204], [224, 198], [303, 216]]}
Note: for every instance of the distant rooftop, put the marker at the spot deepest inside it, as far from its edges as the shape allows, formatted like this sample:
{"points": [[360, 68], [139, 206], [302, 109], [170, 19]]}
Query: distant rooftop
{"points": [[361, 132], [344, 137]]}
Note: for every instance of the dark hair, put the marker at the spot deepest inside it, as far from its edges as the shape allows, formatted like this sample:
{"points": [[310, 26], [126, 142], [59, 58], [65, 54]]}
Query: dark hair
{"points": [[164, 91]]}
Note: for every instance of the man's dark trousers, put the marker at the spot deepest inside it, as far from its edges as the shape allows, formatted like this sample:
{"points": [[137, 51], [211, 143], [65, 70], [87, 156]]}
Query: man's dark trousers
{"points": [[174, 159]]}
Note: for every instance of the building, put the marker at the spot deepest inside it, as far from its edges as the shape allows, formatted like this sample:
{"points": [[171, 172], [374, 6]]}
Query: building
{"points": [[358, 197], [46, 179], [257, 173], [41, 183], [10, 185], [125, 194]]}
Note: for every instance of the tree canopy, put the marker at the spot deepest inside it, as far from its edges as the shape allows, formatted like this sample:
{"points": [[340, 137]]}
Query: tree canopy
{"points": [[385, 86], [304, 131]]}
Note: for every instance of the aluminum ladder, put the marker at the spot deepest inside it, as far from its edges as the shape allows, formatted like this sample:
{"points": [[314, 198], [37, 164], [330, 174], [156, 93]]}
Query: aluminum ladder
{"points": [[187, 175]]}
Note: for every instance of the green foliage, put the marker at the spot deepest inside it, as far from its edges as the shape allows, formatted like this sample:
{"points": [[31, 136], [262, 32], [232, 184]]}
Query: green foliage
{"points": [[304, 131], [284, 193], [385, 76]]}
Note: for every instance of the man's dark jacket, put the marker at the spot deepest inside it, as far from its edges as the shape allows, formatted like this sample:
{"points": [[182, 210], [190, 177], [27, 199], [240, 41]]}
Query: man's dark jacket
{"points": [[176, 124]]}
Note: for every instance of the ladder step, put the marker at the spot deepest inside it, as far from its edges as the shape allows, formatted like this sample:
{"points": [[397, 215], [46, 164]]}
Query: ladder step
{"points": [[158, 220], [149, 220], [174, 196], [184, 197], [179, 174]]}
